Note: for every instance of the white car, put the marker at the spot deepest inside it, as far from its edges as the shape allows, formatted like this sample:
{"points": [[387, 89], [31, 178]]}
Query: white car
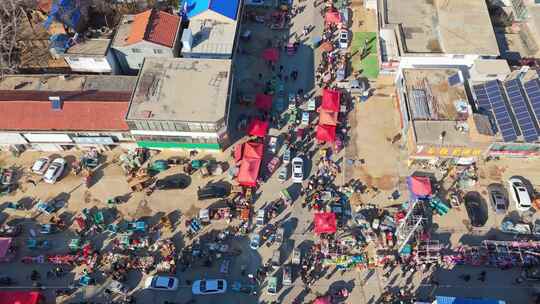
{"points": [[297, 170], [343, 39], [41, 165], [261, 217], [519, 194], [205, 287], [255, 241], [54, 171], [161, 283], [273, 144]]}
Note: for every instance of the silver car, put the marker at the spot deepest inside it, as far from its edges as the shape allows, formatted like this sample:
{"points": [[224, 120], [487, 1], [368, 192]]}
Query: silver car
{"points": [[498, 198], [54, 171]]}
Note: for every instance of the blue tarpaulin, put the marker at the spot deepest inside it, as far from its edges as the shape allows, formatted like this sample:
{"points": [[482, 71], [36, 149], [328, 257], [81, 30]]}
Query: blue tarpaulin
{"points": [[227, 8], [66, 12], [453, 300]]}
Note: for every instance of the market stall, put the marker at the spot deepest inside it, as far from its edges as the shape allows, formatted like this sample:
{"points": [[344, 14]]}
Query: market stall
{"points": [[258, 128], [325, 133], [331, 100], [419, 187], [325, 222], [250, 164]]}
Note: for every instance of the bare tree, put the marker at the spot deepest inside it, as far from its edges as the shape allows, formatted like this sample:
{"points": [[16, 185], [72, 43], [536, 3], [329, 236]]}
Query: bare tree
{"points": [[11, 12]]}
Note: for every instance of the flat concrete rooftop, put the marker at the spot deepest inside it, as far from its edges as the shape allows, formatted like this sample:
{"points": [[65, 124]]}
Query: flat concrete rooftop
{"points": [[444, 26], [181, 89], [431, 97], [72, 82], [211, 37], [90, 47]]}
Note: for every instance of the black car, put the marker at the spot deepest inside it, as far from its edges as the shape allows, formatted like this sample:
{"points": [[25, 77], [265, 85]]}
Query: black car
{"points": [[212, 191], [172, 182], [476, 209]]}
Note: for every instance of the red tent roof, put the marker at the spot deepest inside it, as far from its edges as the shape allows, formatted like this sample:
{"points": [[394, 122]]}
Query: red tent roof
{"points": [[258, 128], [328, 117], [332, 17], [325, 222], [250, 164], [249, 171], [330, 100], [20, 297], [271, 54], [326, 133], [238, 152], [253, 150], [323, 300], [263, 101], [420, 185]]}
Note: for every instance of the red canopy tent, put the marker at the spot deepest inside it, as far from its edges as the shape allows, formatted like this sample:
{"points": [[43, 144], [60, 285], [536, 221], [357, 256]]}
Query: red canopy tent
{"points": [[250, 164], [21, 297], [323, 300], [238, 152], [253, 150], [330, 100], [419, 185], [325, 222], [332, 17], [263, 101], [271, 54], [326, 133], [328, 117], [258, 128]]}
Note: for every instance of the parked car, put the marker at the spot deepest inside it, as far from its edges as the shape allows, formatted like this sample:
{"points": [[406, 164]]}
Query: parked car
{"points": [[54, 171], [205, 287], [261, 217], [172, 182], [287, 275], [211, 191], [41, 165], [286, 156], [305, 118], [118, 287], [161, 283], [519, 194], [273, 144], [476, 210], [297, 170], [497, 198], [283, 173], [343, 39], [255, 241]]}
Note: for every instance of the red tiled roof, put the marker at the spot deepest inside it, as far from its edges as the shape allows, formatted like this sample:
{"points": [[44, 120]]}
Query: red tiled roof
{"points": [[74, 116], [154, 26]]}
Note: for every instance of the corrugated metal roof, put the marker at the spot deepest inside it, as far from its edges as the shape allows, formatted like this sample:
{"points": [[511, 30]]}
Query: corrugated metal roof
{"points": [[453, 300]]}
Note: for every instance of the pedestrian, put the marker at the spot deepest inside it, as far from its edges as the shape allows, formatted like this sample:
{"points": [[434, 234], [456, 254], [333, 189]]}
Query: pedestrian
{"points": [[280, 68], [260, 76]]}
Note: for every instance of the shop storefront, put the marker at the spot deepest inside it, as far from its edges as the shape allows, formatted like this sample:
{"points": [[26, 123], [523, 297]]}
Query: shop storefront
{"points": [[51, 142], [514, 150]]}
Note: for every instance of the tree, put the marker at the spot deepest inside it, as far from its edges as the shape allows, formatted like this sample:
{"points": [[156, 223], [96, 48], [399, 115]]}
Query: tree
{"points": [[11, 12]]}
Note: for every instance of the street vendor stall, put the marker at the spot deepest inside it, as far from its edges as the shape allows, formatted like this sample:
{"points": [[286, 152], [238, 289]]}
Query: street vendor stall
{"points": [[258, 128], [325, 222], [331, 100], [332, 17], [250, 164], [326, 117], [419, 187], [325, 133]]}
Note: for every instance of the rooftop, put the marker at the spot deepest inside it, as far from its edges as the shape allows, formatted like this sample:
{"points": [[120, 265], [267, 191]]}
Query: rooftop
{"points": [[432, 97], [181, 89], [443, 26], [54, 82], [429, 132], [90, 47], [226, 8], [211, 37], [74, 115], [153, 26], [492, 66]]}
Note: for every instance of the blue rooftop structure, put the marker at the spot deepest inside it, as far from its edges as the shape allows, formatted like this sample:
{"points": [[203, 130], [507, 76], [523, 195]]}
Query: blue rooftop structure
{"points": [[227, 8], [453, 300]]}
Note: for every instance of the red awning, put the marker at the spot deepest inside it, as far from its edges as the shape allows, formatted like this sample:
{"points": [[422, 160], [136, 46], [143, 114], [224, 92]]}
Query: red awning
{"points": [[328, 117], [253, 150], [258, 128], [263, 101], [271, 54], [330, 100], [323, 300], [249, 171], [238, 152], [326, 133], [20, 297], [250, 164], [325, 222], [420, 185], [332, 17]]}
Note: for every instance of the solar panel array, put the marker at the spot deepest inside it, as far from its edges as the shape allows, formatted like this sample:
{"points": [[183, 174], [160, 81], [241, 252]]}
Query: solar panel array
{"points": [[518, 103], [490, 97], [532, 89]]}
